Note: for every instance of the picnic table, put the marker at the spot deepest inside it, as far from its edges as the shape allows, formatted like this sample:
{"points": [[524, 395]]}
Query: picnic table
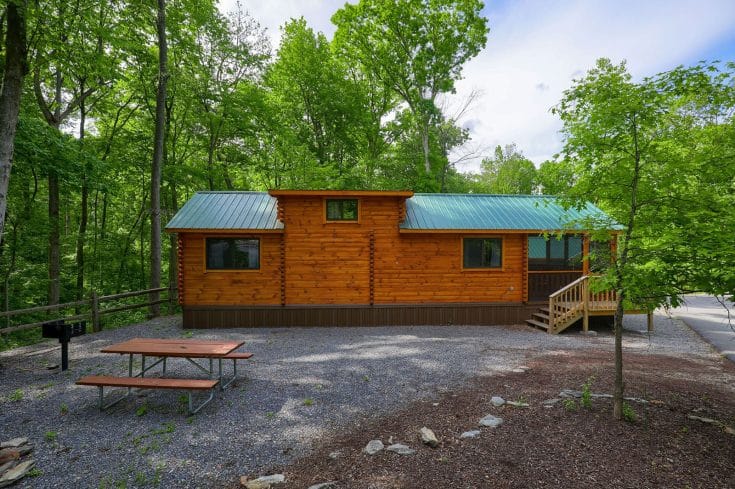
{"points": [[161, 349]]}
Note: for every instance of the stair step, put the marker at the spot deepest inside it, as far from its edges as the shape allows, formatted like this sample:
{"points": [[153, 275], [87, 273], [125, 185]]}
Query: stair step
{"points": [[544, 317], [538, 324], [545, 310]]}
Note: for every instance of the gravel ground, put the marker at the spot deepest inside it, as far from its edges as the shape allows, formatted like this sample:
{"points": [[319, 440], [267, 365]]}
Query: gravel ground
{"points": [[302, 385]]}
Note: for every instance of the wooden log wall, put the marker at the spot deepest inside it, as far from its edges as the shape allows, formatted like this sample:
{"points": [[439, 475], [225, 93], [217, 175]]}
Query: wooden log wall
{"points": [[315, 262], [220, 287]]}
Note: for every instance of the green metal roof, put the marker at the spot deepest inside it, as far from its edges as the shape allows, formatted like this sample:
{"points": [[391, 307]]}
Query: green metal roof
{"points": [[493, 212], [424, 212], [227, 211]]}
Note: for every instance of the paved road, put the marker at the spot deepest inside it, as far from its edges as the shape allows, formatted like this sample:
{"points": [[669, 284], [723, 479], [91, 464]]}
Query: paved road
{"points": [[709, 318]]}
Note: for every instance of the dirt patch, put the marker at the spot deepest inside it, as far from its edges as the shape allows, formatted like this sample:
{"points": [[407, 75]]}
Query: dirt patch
{"points": [[567, 445]]}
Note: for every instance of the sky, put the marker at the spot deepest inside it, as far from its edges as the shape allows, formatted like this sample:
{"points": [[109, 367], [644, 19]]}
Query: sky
{"points": [[535, 48]]}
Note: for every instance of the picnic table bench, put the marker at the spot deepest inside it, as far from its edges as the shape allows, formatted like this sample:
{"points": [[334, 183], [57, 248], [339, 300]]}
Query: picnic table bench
{"points": [[162, 349]]}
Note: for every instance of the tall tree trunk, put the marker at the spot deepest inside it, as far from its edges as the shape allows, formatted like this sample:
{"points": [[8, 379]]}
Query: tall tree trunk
{"points": [[54, 247], [14, 70], [54, 238], [81, 236], [619, 386], [173, 257], [158, 147]]}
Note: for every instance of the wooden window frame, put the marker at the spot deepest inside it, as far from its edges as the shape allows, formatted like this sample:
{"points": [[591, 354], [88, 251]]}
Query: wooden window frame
{"points": [[501, 268], [231, 270], [341, 221]]}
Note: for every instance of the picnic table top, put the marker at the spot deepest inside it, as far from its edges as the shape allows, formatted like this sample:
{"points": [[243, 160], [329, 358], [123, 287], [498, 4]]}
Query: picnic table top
{"points": [[175, 347]]}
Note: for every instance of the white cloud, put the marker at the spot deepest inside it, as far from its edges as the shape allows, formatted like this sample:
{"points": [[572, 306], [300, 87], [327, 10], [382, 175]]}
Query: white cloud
{"points": [[536, 47]]}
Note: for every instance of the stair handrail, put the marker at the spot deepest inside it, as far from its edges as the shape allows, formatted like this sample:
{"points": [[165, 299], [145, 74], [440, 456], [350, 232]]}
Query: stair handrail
{"points": [[574, 293]]}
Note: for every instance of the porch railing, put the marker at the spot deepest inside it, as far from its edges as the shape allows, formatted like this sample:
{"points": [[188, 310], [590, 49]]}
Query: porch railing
{"points": [[576, 300]]}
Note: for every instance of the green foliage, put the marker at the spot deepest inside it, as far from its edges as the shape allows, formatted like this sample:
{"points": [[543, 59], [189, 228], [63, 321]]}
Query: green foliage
{"points": [[355, 112], [673, 134], [63, 408], [507, 172], [629, 413], [16, 395], [570, 404], [308, 402], [51, 436], [586, 399], [416, 50], [142, 410]]}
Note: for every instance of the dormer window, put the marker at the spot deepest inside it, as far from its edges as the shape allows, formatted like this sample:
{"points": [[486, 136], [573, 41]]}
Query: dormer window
{"points": [[342, 210]]}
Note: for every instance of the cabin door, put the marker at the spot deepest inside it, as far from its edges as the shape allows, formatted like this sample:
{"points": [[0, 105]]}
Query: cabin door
{"points": [[552, 264]]}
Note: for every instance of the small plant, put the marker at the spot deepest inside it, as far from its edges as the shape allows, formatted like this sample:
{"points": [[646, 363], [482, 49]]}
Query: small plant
{"points": [[17, 395], [63, 408], [629, 414], [587, 393], [366, 378], [142, 410], [308, 401], [51, 436], [140, 479], [570, 404], [34, 472], [270, 415], [187, 334]]}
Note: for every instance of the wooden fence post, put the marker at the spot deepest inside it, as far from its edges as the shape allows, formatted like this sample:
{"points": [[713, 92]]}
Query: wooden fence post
{"points": [[170, 299], [95, 302], [649, 321]]}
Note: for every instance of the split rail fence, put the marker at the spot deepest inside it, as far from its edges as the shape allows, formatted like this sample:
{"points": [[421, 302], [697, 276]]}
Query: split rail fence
{"points": [[91, 309]]}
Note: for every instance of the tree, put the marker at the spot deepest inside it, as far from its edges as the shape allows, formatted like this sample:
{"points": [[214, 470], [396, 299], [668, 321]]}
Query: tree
{"points": [[507, 172], [416, 47], [554, 177], [644, 152], [159, 140], [14, 70]]}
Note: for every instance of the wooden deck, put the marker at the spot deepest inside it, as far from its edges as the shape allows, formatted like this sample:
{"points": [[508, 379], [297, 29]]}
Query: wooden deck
{"points": [[577, 301]]}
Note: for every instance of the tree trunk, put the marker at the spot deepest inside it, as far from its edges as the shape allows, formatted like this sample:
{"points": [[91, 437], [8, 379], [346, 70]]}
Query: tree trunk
{"points": [[173, 257], [620, 264], [158, 148], [81, 236], [54, 246], [14, 70]]}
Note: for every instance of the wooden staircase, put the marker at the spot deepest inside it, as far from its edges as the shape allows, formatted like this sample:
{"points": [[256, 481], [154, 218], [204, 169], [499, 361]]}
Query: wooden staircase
{"points": [[540, 319], [571, 303]]}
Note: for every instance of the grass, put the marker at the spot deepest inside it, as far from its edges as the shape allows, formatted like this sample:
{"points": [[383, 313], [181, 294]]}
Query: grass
{"points": [[308, 401], [17, 395], [51, 436]]}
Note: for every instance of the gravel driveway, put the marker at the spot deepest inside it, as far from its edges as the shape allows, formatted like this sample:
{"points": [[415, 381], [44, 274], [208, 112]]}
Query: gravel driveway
{"points": [[301, 385]]}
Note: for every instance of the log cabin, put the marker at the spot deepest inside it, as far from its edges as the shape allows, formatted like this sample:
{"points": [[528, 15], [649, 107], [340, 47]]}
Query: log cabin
{"points": [[349, 258]]}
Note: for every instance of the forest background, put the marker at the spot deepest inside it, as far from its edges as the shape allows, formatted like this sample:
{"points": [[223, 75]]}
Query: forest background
{"points": [[364, 110]]}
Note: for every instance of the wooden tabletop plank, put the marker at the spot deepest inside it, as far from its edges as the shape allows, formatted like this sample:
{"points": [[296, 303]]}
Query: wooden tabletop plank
{"points": [[174, 347]]}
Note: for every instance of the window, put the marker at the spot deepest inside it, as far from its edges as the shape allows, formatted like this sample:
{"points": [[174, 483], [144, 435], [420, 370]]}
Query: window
{"points": [[341, 209], [482, 252], [555, 254], [233, 254]]}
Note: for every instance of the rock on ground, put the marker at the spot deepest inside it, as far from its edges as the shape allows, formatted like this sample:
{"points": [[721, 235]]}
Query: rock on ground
{"points": [[373, 447], [491, 421], [401, 449], [428, 437]]}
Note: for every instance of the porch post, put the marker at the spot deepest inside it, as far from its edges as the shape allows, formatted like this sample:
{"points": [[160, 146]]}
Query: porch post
{"points": [[649, 321], [586, 305]]}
